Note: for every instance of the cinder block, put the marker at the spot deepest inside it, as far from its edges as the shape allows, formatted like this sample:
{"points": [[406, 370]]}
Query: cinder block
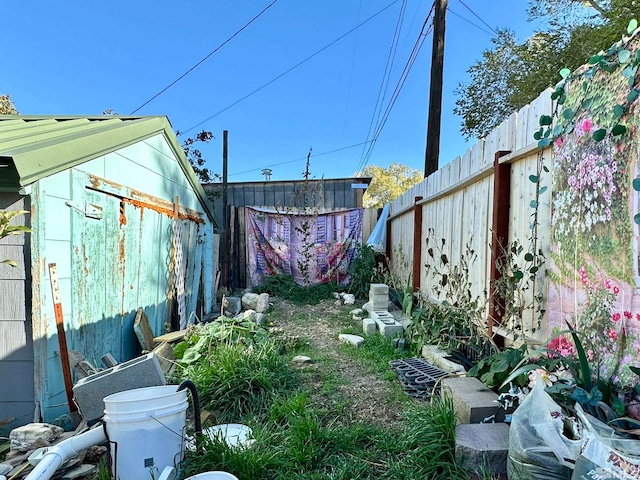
{"points": [[89, 392], [472, 400], [369, 326], [390, 330], [384, 317], [378, 289], [483, 447]]}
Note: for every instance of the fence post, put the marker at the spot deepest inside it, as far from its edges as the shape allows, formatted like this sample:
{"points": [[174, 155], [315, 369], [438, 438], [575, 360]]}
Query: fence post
{"points": [[417, 243], [499, 238]]}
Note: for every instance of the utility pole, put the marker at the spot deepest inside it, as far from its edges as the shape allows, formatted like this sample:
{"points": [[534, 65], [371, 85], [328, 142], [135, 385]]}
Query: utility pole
{"points": [[435, 93], [225, 161]]}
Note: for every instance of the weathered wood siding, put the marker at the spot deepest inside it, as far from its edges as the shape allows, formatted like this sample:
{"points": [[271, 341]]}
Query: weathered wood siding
{"points": [[108, 267], [457, 204], [16, 345]]}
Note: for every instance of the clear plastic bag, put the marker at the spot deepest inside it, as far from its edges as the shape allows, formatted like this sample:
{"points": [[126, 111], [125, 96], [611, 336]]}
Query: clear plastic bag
{"points": [[543, 444]]}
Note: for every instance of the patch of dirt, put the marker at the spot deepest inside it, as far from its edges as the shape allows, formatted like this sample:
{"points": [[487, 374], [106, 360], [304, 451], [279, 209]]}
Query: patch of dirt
{"points": [[368, 398]]}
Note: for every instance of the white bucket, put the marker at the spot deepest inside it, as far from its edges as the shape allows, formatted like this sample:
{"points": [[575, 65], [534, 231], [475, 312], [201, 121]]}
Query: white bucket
{"points": [[145, 428], [213, 476]]}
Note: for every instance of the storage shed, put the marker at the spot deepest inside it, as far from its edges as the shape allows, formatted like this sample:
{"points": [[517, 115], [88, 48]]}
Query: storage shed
{"points": [[115, 205]]}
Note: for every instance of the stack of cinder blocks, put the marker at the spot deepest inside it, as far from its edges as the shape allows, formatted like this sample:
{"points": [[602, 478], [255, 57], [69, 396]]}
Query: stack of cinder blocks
{"points": [[379, 301]]}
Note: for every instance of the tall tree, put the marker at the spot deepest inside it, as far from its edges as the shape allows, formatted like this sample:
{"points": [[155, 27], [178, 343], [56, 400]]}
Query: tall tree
{"points": [[511, 74], [6, 105], [388, 183]]}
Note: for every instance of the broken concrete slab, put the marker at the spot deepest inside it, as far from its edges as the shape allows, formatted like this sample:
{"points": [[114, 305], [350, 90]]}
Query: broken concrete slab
{"points": [[89, 392], [483, 447], [472, 400], [435, 356], [355, 340], [79, 472]]}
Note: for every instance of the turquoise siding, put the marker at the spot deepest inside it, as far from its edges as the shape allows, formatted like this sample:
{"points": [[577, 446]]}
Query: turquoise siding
{"points": [[109, 267]]}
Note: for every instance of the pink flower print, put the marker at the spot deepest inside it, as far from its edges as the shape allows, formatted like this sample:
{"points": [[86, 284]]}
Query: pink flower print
{"points": [[628, 314], [612, 334], [586, 125], [616, 290], [559, 142], [615, 317], [638, 317], [607, 284]]}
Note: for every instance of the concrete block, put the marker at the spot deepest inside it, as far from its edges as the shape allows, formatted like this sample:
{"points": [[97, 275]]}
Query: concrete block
{"points": [[383, 316], [472, 400], [378, 289], [89, 392], [483, 447], [369, 326], [390, 330]]}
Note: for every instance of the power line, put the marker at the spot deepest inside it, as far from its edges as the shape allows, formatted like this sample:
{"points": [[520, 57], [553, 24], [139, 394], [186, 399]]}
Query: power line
{"points": [[205, 58], [386, 76], [470, 22], [478, 17], [400, 84], [300, 159], [292, 68]]}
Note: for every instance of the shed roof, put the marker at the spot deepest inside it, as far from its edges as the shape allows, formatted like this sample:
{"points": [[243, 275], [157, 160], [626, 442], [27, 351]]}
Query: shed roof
{"points": [[39, 146]]}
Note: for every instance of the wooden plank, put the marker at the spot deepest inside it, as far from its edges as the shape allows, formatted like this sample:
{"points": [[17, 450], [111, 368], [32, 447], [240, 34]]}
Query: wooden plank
{"points": [[170, 337], [143, 330], [242, 248]]}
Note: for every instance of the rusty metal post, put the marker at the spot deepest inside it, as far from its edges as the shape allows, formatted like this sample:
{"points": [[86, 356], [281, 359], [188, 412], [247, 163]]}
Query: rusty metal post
{"points": [[499, 238], [417, 243]]}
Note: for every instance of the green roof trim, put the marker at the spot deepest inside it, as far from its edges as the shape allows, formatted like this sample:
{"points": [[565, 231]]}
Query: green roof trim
{"points": [[40, 146]]}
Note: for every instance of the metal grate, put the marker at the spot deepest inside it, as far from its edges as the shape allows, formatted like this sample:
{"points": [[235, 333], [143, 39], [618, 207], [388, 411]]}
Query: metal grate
{"points": [[418, 377]]}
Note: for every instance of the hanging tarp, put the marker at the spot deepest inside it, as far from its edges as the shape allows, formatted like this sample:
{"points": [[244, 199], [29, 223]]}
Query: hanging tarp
{"points": [[313, 247], [378, 238]]}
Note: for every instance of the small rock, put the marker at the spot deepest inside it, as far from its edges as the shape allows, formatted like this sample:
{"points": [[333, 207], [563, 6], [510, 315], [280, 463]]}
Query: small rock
{"points": [[262, 304], [301, 359], [349, 298], [336, 295], [338, 302], [34, 435], [367, 307], [233, 307], [357, 311], [355, 340], [250, 301], [80, 471]]}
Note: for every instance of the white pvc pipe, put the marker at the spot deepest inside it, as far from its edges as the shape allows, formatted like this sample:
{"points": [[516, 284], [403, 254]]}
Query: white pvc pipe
{"points": [[57, 454]]}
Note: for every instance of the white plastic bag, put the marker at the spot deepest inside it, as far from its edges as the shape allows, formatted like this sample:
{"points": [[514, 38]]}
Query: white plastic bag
{"points": [[540, 447]]}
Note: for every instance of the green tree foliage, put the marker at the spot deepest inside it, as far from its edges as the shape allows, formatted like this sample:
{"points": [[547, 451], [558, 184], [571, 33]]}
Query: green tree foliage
{"points": [[194, 155], [512, 74], [6, 105], [388, 183]]}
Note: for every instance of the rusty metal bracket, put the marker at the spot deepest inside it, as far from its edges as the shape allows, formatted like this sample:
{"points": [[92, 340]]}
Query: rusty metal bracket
{"points": [[89, 210]]}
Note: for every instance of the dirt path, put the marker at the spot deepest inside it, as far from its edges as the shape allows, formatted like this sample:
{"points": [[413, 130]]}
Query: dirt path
{"points": [[335, 378]]}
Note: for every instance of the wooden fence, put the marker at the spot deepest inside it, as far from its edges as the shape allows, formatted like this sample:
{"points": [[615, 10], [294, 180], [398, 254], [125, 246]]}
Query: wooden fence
{"points": [[466, 200]]}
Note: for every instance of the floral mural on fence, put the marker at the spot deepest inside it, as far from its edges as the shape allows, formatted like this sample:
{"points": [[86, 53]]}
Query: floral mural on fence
{"points": [[594, 264], [313, 248]]}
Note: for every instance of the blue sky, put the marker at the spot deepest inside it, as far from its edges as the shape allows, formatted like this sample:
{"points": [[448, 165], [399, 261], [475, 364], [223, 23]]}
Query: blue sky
{"points": [[76, 57]]}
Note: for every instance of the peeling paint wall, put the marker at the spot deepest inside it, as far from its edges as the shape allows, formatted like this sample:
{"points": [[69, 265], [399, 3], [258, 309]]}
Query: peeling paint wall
{"points": [[107, 224]]}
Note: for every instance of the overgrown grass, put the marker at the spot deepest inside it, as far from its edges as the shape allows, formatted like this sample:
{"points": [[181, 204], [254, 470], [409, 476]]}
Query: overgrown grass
{"points": [[284, 286], [298, 442], [297, 438]]}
